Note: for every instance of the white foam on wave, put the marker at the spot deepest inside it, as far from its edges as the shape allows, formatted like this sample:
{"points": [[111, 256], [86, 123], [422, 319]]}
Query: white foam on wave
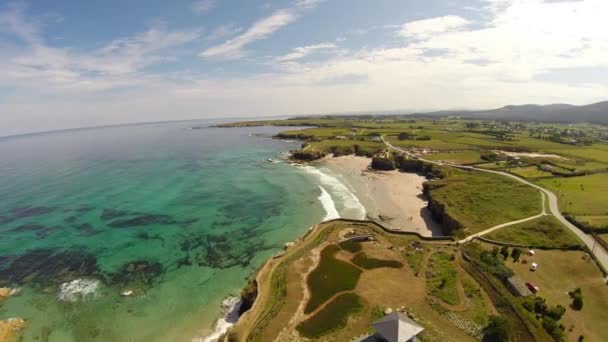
{"points": [[328, 204], [229, 316], [338, 190], [78, 289]]}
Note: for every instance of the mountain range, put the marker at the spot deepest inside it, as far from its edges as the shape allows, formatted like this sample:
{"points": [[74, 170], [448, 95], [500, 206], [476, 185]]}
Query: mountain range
{"points": [[596, 113]]}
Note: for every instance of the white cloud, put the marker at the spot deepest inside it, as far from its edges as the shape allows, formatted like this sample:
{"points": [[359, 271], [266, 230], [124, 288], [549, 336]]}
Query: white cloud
{"points": [[203, 6], [233, 48], [522, 39], [308, 3], [423, 29], [303, 51]]}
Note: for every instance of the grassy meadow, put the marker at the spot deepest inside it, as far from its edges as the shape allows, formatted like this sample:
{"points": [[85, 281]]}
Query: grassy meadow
{"points": [[480, 201], [546, 232]]}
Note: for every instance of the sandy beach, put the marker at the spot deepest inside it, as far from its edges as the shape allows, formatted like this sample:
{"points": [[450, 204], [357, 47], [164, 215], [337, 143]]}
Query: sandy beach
{"points": [[393, 198]]}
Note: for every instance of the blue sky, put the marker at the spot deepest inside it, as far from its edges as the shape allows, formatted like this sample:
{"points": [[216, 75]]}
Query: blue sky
{"points": [[84, 63]]}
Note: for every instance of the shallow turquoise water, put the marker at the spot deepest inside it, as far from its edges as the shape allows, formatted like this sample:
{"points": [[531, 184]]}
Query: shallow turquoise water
{"points": [[180, 217]]}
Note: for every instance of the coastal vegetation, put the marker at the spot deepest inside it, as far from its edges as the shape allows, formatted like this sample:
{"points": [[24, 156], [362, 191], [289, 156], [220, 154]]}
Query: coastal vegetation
{"points": [[329, 278], [331, 317], [441, 277], [362, 260]]}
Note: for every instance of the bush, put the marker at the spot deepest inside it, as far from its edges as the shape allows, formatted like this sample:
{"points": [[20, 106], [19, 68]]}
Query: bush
{"points": [[577, 299], [556, 331], [556, 312], [497, 330]]}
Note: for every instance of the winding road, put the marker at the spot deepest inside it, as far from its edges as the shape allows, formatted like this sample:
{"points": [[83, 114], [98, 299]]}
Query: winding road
{"points": [[600, 253]]}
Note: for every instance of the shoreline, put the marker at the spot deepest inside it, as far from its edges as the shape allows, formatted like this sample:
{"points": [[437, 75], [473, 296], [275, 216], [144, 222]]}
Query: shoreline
{"points": [[392, 198]]}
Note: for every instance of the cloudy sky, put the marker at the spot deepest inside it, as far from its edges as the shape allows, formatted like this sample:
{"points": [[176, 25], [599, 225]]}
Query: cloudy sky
{"points": [[67, 64]]}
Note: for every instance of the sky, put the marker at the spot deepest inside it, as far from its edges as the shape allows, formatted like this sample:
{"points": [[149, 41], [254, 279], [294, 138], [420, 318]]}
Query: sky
{"points": [[72, 63]]}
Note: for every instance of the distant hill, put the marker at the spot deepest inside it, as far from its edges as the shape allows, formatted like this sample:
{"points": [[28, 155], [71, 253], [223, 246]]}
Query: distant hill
{"points": [[596, 113]]}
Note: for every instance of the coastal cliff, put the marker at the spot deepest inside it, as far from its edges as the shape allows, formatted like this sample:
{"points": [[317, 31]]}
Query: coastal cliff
{"points": [[248, 296]]}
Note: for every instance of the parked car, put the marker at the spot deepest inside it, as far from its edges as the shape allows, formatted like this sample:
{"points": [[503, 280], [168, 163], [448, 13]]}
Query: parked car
{"points": [[532, 287]]}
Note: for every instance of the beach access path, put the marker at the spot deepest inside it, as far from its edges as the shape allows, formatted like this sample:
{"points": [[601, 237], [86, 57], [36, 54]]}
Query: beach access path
{"points": [[599, 252]]}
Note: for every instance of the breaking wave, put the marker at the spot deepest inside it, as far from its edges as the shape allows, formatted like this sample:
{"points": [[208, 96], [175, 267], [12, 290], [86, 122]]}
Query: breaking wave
{"points": [[78, 289], [229, 316], [337, 192]]}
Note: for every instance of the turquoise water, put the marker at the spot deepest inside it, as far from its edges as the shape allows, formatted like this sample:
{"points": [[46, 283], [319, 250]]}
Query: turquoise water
{"points": [[178, 217]]}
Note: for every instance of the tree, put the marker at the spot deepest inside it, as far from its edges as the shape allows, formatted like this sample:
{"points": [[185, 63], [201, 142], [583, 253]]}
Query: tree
{"points": [[495, 251], [497, 330], [515, 254], [504, 251], [556, 312], [404, 136], [577, 299]]}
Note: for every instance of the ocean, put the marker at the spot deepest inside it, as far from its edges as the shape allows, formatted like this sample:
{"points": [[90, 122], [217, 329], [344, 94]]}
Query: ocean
{"points": [[141, 232]]}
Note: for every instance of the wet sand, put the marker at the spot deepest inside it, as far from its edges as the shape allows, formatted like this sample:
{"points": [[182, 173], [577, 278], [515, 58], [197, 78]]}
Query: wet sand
{"points": [[391, 197]]}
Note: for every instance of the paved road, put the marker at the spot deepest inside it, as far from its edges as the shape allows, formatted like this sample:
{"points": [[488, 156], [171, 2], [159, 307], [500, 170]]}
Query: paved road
{"points": [[600, 253]]}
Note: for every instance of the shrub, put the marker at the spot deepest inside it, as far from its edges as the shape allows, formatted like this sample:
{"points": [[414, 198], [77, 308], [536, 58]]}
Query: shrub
{"points": [[504, 251], [497, 330], [515, 254], [577, 299]]}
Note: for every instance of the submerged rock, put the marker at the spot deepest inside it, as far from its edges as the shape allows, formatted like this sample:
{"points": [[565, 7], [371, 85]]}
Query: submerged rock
{"points": [[135, 275], [49, 266], [6, 292], [23, 212]]}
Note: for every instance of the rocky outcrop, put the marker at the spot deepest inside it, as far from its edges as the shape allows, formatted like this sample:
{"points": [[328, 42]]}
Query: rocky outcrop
{"points": [[248, 296], [439, 213], [307, 155], [382, 164], [6, 292], [10, 329]]}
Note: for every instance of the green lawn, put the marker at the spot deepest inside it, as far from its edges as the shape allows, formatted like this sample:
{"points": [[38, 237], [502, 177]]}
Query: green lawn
{"points": [[333, 316], [441, 277], [479, 200], [546, 231], [330, 277]]}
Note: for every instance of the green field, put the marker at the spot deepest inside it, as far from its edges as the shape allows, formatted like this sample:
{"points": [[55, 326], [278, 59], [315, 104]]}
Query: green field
{"points": [[332, 317], [479, 201], [330, 277], [362, 260], [459, 157], [546, 231], [583, 197], [441, 277], [530, 172]]}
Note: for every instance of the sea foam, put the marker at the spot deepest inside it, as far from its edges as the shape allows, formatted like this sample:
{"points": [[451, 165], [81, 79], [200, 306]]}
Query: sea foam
{"points": [[336, 189], [229, 316], [329, 205], [78, 289]]}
